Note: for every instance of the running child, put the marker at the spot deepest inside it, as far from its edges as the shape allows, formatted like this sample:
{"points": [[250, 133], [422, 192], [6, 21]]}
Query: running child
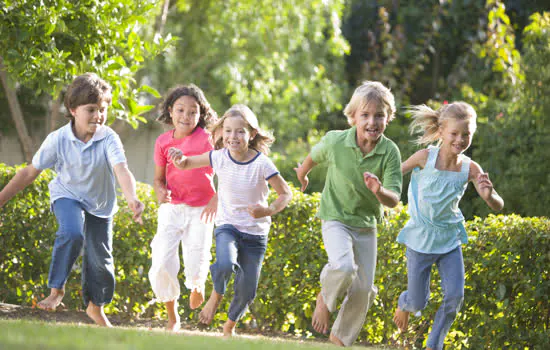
{"points": [[435, 231], [244, 217], [187, 202], [363, 176], [87, 156]]}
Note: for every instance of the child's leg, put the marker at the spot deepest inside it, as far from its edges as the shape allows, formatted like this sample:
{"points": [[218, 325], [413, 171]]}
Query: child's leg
{"points": [[251, 255], [165, 265], [196, 244], [68, 244], [173, 324], [451, 270], [415, 298], [362, 291], [337, 274], [98, 269], [221, 270]]}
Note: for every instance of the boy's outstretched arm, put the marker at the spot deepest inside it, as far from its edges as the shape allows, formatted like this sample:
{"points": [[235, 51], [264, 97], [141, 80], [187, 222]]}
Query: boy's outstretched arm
{"points": [[127, 182], [22, 179], [484, 187], [384, 196], [303, 169]]}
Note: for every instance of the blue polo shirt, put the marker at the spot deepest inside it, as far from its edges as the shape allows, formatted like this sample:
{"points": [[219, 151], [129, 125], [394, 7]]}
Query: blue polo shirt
{"points": [[84, 170], [345, 197]]}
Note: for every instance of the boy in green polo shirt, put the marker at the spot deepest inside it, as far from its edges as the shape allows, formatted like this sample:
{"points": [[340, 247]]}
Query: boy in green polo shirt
{"points": [[364, 173]]}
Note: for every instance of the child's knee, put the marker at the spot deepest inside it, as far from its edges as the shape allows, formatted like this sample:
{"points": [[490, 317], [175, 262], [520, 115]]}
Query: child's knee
{"points": [[224, 267], [454, 301], [71, 236], [345, 267]]}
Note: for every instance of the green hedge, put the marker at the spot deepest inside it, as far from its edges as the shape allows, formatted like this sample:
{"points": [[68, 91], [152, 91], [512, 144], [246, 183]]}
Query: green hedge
{"points": [[507, 265]]}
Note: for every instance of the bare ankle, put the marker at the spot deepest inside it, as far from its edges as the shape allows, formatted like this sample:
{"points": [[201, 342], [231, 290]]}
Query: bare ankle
{"points": [[57, 292]]}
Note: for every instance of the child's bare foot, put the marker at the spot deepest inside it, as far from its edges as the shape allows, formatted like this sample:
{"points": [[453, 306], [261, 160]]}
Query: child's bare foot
{"points": [[173, 324], [401, 319], [334, 340], [52, 301], [321, 316], [209, 311], [97, 315], [229, 328], [196, 299]]}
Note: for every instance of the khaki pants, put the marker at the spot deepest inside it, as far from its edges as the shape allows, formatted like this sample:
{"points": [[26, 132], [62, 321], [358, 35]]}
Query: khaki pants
{"points": [[349, 273]]}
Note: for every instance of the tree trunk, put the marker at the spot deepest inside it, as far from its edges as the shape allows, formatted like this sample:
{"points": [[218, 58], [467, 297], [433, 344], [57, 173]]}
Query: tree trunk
{"points": [[17, 115], [161, 20], [55, 112]]}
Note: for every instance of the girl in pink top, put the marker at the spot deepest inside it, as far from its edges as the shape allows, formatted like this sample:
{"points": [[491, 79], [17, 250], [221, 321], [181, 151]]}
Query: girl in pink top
{"points": [[187, 199]]}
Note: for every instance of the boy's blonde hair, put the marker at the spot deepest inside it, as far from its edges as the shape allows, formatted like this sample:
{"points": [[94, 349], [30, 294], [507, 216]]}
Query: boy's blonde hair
{"points": [[368, 92], [427, 121], [261, 142]]}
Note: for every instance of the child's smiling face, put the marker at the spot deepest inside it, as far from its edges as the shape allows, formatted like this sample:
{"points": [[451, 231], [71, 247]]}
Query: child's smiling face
{"points": [[185, 114], [456, 135], [236, 134], [371, 120], [89, 117]]}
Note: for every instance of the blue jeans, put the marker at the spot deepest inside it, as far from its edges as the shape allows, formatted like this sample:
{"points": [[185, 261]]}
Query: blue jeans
{"points": [[242, 254], [451, 270], [77, 230]]}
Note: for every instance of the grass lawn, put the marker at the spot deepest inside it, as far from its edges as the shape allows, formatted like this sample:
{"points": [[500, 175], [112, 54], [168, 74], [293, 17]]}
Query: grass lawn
{"points": [[21, 334]]}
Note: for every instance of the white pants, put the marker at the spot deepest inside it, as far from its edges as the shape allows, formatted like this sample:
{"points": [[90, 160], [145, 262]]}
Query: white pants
{"points": [[350, 273], [179, 223]]}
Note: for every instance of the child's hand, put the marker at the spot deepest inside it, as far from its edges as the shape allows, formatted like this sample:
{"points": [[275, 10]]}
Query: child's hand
{"points": [[210, 210], [177, 157], [484, 185], [304, 180], [163, 195], [137, 207], [258, 211], [372, 182]]}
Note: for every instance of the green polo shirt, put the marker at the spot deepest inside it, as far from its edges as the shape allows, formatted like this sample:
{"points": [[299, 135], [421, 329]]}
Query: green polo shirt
{"points": [[345, 197]]}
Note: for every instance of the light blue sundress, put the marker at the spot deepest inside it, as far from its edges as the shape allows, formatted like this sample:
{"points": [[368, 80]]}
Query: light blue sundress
{"points": [[436, 224]]}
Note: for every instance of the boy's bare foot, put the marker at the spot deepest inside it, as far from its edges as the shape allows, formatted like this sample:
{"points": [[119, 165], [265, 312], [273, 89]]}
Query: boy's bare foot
{"points": [[196, 299], [97, 315], [401, 319], [321, 316], [52, 301], [334, 340], [173, 324], [229, 328], [209, 311]]}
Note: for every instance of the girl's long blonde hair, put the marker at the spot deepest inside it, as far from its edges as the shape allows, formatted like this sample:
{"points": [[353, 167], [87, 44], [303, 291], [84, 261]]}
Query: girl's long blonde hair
{"points": [[261, 142], [427, 121]]}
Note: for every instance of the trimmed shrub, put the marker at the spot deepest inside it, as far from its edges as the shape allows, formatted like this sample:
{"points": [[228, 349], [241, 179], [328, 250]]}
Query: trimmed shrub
{"points": [[507, 265]]}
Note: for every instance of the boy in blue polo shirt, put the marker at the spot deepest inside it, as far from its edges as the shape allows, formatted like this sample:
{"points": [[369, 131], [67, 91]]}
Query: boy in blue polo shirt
{"points": [[86, 155], [364, 173]]}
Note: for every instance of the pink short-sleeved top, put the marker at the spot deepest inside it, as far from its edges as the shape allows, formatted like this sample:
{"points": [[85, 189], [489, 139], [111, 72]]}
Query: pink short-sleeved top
{"points": [[193, 187]]}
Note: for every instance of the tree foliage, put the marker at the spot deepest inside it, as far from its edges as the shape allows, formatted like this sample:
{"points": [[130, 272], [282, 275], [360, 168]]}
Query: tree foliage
{"points": [[283, 59], [45, 44], [515, 144]]}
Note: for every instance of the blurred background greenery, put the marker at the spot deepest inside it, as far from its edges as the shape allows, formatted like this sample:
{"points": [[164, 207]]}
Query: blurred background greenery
{"points": [[296, 63]]}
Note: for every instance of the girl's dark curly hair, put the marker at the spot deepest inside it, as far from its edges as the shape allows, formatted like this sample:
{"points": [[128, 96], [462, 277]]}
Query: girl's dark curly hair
{"points": [[207, 114]]}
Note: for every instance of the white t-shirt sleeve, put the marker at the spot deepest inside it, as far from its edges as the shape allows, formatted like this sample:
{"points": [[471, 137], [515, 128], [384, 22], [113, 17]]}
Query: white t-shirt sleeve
{"points": [[216, 157], [46, 157], [269, 168]]}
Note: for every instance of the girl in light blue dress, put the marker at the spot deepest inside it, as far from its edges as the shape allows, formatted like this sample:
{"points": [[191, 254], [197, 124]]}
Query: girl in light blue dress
{"points": [[435, 230]]}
